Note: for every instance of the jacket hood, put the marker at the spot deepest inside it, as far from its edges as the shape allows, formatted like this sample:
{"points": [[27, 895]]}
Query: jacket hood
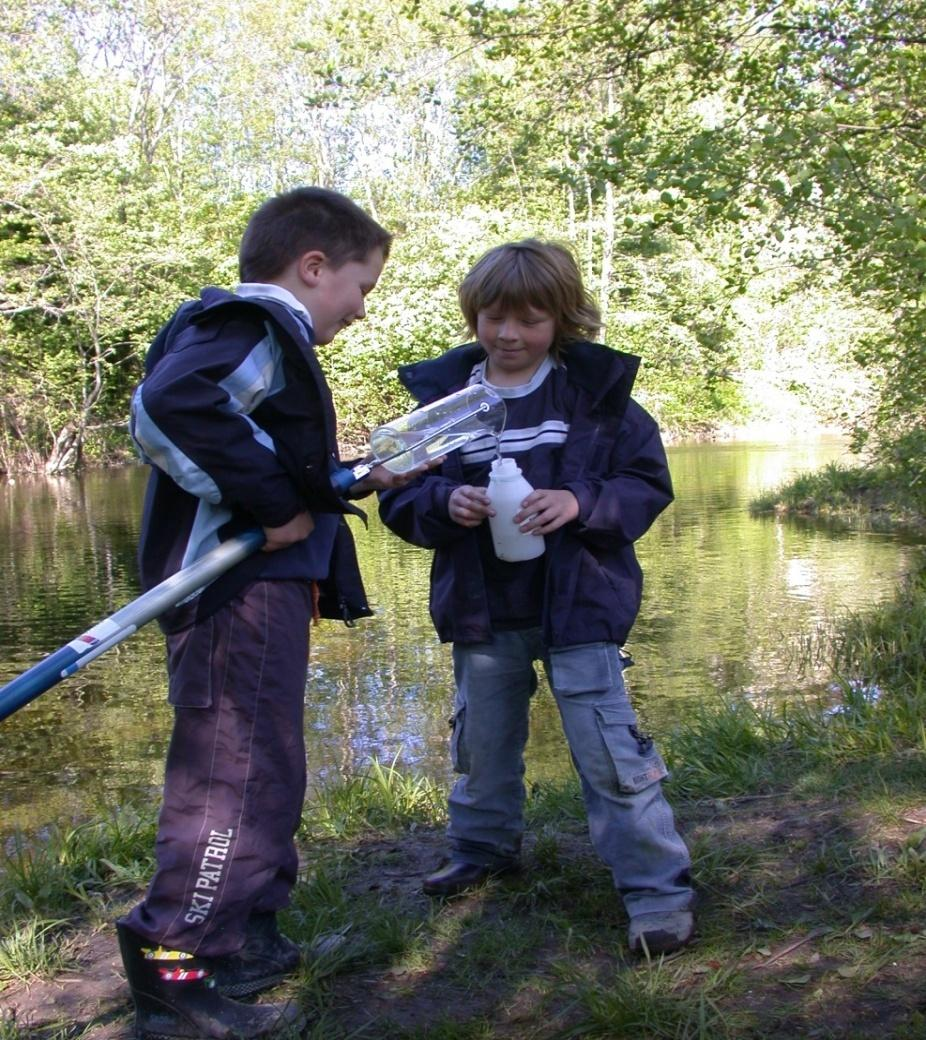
{"points": [[607, 374], [427, 380], [215, 303], [212, 296]]}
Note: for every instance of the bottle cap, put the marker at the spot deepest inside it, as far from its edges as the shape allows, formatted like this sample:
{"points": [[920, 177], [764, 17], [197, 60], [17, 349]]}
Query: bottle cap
{"points": [[505, 467]]}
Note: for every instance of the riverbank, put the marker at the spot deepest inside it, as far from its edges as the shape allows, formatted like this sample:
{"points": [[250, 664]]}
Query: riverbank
{"points": [[354, 443], [807, 827], [861, 496], [810, 925]]}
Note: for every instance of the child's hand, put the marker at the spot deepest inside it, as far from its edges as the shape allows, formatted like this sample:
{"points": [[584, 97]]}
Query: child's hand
{"points": [[381, 479], [469, 505], [293, 531], [545, 511]]}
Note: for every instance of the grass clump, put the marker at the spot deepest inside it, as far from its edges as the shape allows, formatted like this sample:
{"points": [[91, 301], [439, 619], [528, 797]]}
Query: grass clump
{"points": [[381, 798], [34, 950], [887, 647], [340, 928], [76, 866], [874, 495], [733, 747], [551, 804], [650, 1003], [13, 1028]]}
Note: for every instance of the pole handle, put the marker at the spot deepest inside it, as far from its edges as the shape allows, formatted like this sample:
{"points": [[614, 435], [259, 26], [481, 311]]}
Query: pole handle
{"points": [[113, 629]]}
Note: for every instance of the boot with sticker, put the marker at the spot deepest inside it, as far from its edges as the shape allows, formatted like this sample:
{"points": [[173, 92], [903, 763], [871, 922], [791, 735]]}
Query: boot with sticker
{"points": [[176, 998]]}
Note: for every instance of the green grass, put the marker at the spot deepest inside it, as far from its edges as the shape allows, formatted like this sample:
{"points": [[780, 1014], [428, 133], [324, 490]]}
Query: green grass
{"points": [[887, 646], [551, 804], [381, 797], [13, 1028], [732, 747], [34, 950], [75, 867], [338, 928], [811, 877], [862, 495], [649, 1004]]}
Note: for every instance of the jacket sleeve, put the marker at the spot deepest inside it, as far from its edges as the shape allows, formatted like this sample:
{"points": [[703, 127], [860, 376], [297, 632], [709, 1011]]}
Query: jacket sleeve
{"points": [[190, 418], [419, 512], [623, 503]]}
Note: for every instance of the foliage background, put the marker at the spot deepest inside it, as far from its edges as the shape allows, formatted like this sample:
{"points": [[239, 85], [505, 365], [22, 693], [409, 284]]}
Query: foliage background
{"points": [[742, 183]]}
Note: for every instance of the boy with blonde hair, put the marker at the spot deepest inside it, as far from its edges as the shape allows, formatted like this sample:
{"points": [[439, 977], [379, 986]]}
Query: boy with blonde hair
{"points": [[596, 462]]}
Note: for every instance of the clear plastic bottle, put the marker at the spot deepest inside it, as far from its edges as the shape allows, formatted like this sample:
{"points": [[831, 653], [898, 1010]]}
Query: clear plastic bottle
{"points": [[507, 490], [438, 428]]}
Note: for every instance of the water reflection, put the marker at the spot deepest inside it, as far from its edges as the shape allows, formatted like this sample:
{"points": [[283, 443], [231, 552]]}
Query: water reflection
{"points": [[727, 600]]}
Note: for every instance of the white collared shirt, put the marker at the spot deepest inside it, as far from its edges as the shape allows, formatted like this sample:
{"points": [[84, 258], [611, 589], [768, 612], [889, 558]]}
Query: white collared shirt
{"points": [[272, 291]]}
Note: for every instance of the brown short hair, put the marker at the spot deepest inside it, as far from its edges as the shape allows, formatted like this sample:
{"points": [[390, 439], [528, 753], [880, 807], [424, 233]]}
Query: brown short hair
{"points": [[532, 273], [298, 221]]}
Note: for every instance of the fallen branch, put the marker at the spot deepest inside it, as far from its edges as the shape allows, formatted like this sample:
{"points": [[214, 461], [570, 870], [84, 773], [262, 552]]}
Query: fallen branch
{"points": [[815, 934]]}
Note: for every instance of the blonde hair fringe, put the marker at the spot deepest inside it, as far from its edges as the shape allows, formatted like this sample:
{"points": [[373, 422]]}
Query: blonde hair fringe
{"points": [[532, 273]]}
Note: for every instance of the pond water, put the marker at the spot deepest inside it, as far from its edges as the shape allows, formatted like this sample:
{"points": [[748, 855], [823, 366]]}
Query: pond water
{"points": [[732, 605]]}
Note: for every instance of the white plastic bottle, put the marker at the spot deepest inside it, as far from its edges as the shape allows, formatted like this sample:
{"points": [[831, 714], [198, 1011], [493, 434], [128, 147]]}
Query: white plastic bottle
{"points": [[507, 490]]}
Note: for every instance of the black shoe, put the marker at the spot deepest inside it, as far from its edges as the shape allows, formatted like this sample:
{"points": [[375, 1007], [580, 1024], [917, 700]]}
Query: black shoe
{"points": [[176, 998], [660, 932], [458, 877], [266, 958]]}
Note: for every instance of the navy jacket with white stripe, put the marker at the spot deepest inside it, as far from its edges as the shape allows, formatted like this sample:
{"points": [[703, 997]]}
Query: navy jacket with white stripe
{"points": [[236, 419], [613, 461]]}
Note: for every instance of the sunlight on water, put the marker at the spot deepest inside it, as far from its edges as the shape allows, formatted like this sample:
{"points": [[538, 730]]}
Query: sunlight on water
{"points": [[729, 602]]}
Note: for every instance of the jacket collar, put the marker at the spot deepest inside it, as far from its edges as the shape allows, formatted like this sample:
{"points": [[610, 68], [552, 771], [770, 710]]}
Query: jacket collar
{"points": [[427, 380], [219, 302], [272, 291], [607, 375]]}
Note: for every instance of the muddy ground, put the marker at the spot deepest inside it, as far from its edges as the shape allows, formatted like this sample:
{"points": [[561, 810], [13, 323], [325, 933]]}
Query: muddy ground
{"points": [[795, 939]]}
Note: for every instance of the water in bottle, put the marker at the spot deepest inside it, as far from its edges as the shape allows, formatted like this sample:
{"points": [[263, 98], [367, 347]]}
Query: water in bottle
{"points": [[439, 428]]}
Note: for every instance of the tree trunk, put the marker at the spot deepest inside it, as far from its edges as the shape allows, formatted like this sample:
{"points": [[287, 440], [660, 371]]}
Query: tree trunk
{"points": [[66, 451], [607, 244]]}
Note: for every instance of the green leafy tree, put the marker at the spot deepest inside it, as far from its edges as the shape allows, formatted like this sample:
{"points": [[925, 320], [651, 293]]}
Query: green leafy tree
{"points": [[681, 150], [90, 257], [796, 125]]}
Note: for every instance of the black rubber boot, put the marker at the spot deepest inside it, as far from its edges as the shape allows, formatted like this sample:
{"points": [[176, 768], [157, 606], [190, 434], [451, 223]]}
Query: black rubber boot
{"points": [[176, 997], [266, 957]]}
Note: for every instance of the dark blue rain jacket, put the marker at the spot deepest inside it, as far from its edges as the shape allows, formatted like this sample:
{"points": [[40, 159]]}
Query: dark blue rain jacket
{"points": [[613, 461], [236, 419]]}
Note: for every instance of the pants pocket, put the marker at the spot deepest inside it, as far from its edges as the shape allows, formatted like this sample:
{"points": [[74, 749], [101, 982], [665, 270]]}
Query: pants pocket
{"points": [[637, 763], [588, 668], [191, 659], [459, 758]]}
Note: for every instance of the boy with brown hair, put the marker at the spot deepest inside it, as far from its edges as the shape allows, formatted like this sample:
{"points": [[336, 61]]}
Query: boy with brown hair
{"points": [[236, 419]]}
